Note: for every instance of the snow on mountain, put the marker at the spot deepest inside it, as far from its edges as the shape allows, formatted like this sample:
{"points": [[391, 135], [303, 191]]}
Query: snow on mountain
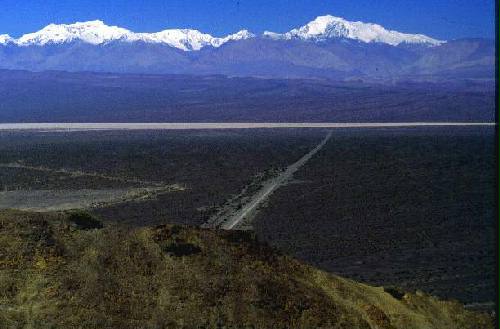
{"points": [[96, 33], [93, 32], [322, 28], [184, 39], [5, 39], [328, 27], [187, 39], [241, 35]]}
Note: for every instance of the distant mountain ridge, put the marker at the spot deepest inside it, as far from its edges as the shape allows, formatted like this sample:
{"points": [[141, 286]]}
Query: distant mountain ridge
{"points": [[327, 47]]}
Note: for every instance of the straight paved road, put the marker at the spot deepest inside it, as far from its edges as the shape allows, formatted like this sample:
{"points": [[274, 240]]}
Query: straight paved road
{"points": [[270, 186]]}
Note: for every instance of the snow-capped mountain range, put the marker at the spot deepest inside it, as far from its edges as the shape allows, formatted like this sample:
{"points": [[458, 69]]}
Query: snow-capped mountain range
{"points": [[327, 47], [96, 32], [322, 28]]}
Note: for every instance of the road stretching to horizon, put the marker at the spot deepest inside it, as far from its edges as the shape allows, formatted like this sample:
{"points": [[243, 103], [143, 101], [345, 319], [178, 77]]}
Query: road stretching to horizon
{"points": [[224, 125], [269, 187]]}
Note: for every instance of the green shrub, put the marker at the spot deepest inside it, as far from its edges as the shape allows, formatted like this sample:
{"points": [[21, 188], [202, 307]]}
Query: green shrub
{"points": [[85, 221]]}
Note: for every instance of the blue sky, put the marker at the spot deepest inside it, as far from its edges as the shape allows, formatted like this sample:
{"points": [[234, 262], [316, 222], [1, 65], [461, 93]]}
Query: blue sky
{"points": [[445, 19]]}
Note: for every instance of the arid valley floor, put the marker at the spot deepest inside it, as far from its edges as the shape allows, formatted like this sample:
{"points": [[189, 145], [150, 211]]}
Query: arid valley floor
{"points": [[405, 207]]}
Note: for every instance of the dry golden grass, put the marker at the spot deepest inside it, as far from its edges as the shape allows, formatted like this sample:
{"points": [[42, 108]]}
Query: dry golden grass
{"points": [[54, 274]]}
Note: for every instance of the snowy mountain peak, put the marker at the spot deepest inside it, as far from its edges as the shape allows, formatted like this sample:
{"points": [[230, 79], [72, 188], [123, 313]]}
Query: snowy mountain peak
{"points": [[184, 39], [93, 32], [328, 27], [5, 39], [241, 35], [187, 39]]}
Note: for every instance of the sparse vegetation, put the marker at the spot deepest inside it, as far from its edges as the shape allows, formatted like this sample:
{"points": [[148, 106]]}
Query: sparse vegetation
{"points": [[156, 98], [53, 275]]}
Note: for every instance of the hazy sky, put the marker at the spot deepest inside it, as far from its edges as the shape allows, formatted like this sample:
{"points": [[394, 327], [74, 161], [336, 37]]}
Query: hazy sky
{"points": [[445, 19]]}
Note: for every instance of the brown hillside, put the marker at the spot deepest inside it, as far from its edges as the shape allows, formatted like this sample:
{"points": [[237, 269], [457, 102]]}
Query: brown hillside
{"points": [[64, 271]]}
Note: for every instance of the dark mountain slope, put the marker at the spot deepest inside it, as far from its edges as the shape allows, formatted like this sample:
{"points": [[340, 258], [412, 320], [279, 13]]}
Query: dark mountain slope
{"points": [[336, 58], [464, 58]]}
